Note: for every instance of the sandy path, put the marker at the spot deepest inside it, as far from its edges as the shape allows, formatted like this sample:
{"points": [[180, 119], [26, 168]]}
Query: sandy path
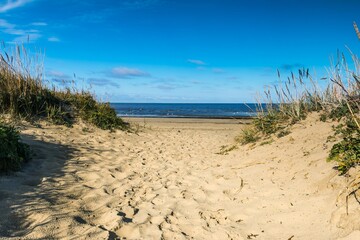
{"points": [[170, 182]]}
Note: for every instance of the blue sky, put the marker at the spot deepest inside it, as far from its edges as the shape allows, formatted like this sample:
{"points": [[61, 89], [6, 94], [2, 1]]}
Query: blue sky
{"points": [[180, 51]]}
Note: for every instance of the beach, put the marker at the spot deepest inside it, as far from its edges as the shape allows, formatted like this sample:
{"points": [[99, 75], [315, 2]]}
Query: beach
{"points": [[178, 179]]}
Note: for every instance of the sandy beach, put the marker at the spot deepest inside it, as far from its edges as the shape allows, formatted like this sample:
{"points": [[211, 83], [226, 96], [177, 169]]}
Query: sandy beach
{"points": [[178, 179]]}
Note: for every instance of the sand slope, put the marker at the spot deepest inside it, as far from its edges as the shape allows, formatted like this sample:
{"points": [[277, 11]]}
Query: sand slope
{"points": [[169, 181]]}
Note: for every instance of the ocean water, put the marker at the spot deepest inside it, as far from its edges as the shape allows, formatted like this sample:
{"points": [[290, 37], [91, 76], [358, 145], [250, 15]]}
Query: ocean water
{"points": [[185, 110]]}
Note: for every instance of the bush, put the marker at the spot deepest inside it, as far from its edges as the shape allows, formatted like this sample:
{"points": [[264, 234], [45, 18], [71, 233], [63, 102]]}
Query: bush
{"points": [[347, 152], [13, 153], [104, 117]]}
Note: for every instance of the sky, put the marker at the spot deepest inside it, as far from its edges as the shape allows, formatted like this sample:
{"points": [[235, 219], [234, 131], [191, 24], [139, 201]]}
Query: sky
{"points": [[181, 51]]}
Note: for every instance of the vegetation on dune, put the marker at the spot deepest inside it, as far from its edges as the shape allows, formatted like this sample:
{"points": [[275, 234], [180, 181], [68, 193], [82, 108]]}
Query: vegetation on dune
{"points": [[346, 152], [13, 153], [248, 135], [292, 100], [285, 104], [24, 94]]}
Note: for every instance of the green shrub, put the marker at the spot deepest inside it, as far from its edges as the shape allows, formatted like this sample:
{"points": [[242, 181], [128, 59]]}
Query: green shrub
{"points": [[104, 117], [13, 153], [347, 152], [323, 117], [342, 110], [59, 116]]}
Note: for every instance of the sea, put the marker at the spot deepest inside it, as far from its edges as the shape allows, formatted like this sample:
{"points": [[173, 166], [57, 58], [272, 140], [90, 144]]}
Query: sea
{"points": [[186, 110]]}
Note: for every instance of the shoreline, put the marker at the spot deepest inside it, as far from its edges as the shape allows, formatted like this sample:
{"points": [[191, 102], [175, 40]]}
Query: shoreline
{"points": [[189, 117], [187, 120]]}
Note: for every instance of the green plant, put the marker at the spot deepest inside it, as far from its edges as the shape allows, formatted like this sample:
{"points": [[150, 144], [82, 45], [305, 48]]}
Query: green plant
{"points": [[224, 150], [343, 110], [248, 135], [104, 117], [85, 130], [323, 117], [271, 123], [13, 153], [346, 152], [267, 142], [58, 116]]}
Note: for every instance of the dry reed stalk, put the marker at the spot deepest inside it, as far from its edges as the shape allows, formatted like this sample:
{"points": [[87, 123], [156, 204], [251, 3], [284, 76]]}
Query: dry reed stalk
{"points": [[356, 30]]}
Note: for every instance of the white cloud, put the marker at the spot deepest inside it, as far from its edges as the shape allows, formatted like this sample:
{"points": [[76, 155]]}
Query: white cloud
{"points": [[102, 82], [57, 74], [124, 72], [11, 4], [218, 70], [39, 24], [13, 31], [197, 62], [196, 82], [139, 3], [23, 35], [32, 37], [6, 24], [53, 39]]}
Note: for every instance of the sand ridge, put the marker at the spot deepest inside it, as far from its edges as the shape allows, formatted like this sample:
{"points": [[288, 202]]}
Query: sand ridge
{"points": [[170, 181]]}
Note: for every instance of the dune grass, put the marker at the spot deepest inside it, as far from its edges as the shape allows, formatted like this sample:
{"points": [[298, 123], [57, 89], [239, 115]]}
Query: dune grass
{"points": [[300, 94], [25, 94], [285, 104]]}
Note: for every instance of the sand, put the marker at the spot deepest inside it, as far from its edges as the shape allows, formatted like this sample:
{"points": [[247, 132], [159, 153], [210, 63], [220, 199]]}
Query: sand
{"points": [[175, 179]]}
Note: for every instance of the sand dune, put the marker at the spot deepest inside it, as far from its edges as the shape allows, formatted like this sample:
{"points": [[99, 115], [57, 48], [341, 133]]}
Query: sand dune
{"points": [[171, 181]]}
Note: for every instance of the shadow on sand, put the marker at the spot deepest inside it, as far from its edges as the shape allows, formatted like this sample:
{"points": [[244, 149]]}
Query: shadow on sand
{"points": [[27, 190]]}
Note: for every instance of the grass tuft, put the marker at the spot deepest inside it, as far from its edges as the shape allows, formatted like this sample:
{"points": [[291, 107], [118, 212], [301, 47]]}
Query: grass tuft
{"points": [[249, 135]]}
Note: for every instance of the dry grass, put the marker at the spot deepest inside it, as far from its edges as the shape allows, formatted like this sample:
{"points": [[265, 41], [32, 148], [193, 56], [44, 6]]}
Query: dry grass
{"points": [[25, 94], [294, 98]]}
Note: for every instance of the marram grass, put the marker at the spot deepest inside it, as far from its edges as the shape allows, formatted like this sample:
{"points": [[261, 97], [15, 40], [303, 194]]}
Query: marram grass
{"points": [[24, 94], [293, 99]]}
